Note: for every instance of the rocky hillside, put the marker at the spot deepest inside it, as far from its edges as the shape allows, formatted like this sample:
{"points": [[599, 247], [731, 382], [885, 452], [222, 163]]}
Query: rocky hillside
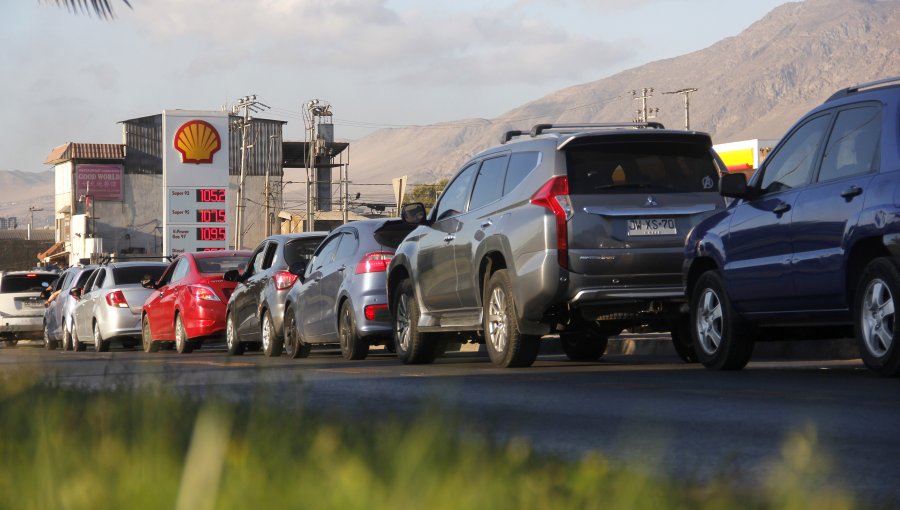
{"points": [[21, 190], [753, 85]]}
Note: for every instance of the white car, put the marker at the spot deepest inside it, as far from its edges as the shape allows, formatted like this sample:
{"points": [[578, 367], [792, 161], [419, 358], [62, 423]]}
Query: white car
{"points": [[22, 306]]}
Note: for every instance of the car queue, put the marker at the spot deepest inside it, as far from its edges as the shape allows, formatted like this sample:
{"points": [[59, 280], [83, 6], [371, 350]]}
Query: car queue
{"points": [[576, 230]]}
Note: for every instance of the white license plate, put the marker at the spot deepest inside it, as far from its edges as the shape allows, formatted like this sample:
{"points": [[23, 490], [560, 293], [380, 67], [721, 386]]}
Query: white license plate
{"points": [[651, 227]]}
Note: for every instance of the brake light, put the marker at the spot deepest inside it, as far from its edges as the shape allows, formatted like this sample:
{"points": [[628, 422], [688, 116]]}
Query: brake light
{"points": [[554, 195], [284, 280], [31, 275], [370, 311], [116, 299], [374, 262], [203, 293]]}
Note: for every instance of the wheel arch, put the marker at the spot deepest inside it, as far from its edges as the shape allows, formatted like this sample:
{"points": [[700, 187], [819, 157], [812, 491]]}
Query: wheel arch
{"points": [[861, 254], [397, 275], [699, 266], [490, 263]]}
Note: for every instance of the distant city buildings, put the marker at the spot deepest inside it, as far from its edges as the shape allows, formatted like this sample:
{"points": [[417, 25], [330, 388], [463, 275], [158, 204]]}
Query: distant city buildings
{"points": [[10, 223]]}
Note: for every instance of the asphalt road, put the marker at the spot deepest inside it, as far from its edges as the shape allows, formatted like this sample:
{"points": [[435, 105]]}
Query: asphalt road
{"points": [[651, 409]]}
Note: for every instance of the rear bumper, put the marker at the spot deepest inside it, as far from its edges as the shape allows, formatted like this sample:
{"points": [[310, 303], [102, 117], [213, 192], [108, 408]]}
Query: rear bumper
{"points": [[205, 319], [120, 323], [34, 324]]}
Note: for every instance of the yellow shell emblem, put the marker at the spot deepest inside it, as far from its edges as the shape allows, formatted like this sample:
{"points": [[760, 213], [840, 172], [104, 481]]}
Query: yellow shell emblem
{"points": [[197, 141]]}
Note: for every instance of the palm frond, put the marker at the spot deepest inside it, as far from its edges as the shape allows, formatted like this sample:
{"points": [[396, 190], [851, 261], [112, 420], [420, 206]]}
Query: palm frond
{"points": [[101, 8]]}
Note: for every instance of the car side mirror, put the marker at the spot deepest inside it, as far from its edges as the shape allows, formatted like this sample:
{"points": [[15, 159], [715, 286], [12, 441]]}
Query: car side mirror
{"points": [[232, 275], [298, 268], [148, 283], [76, 292], [413, 213], [734, 186]]}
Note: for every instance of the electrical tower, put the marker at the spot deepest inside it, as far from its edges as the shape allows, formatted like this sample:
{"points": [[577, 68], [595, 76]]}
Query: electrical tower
{"points": [[250, 105], [687, 104], [645, 113], [319, 133]]}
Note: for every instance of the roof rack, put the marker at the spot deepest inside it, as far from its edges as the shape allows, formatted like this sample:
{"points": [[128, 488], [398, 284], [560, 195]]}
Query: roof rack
{"points": [[862, 86], [540, 129]]}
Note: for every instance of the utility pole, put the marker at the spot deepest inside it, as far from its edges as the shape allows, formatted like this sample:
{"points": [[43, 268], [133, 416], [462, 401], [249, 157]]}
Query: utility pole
{"points": [[31, 211], [315, 109], [645, 113], [250, 105], [687, 104]]}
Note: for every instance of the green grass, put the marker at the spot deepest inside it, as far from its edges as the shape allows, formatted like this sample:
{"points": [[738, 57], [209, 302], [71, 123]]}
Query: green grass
{"points": [[63, 448]]}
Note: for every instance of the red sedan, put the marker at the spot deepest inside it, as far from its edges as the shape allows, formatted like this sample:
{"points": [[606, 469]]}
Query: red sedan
{"points": [[190, 299]]}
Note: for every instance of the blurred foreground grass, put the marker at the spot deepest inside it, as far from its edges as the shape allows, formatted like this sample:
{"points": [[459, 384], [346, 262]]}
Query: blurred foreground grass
{"points": [[63, 448]]}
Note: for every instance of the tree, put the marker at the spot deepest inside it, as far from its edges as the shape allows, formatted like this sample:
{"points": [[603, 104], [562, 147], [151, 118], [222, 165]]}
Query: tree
{"points": [[426, 193], [101, 8]]}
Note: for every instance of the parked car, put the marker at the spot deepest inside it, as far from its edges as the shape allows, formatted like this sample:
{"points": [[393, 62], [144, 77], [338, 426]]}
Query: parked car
{"points": [[111, 305], [58, 314], [576, 229], [188, 302], [812, 241], [340, 296], [256, 309], [21, 304]]}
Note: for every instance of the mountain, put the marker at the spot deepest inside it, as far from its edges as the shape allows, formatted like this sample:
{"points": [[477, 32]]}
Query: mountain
{"points": [[753, 85], [21, 190]]}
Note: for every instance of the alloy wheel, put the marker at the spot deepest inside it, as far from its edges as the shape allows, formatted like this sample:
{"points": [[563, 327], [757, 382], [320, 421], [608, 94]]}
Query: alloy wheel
{"points": [[878, 318], [498, 333], [401, 325], [709, 321]]}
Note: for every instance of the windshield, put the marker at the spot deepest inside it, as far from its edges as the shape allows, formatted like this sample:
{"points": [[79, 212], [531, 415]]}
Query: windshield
{"points": [[657, 166], [32, 282], [221, 264]]}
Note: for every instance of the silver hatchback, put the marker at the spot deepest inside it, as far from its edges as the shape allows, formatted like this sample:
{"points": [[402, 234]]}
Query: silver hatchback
{"points": [[111, 304]]}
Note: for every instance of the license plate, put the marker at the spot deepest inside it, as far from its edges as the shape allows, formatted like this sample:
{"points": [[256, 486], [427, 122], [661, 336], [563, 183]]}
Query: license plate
{"points": [[651, 227]]}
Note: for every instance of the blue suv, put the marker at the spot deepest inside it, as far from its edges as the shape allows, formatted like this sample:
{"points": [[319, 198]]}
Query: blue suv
{"points": [[811, 242]]}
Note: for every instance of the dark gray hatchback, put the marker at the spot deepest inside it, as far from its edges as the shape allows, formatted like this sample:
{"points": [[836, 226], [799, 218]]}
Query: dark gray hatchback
{"points": [[575, 229]]}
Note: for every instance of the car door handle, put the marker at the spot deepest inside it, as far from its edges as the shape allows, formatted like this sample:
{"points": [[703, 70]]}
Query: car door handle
{"points": [[781, 208], [487, 224], [852, 191], [450, 238]]}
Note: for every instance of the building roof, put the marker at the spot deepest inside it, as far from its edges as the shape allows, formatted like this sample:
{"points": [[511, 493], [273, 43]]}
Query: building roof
{"points": [[73, 150]]}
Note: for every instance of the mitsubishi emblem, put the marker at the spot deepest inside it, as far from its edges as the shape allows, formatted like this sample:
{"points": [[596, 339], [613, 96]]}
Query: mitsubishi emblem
{"points": [[651, 202]]}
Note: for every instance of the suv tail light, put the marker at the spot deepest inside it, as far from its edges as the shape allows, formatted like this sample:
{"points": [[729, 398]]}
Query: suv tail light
{"points": [[554, 195], [203, 293], [374, 262], [284, 280], [116, 299]]}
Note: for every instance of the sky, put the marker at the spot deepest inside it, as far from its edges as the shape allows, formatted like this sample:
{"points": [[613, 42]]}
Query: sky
{"points": [[380, 63]]}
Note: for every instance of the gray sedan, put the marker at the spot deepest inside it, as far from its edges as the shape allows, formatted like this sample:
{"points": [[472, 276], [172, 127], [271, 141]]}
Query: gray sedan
{"points": [[341, 296], [111, 304]]}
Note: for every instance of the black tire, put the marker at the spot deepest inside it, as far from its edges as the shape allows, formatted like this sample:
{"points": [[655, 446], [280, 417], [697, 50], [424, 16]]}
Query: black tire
{"points": [[875, 317], [182, 344], [10, 343], [232, 342], [506, 345], [585, 345], [100, 345], [77, 345], [294, 346], [720, 338], [50, 345], [66, 339], [412, 346], [682, 339], [147, 342], [272, 343], [353, 346]]}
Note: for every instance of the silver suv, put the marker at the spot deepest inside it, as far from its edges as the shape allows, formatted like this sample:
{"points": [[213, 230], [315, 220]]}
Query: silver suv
{"points": [[22, 305], [570, 229]]}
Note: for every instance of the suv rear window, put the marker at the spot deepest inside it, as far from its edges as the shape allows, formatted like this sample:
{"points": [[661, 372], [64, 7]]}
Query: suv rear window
{"points": [[17, 283], [300, 249], [134, 274], [629, 167]]}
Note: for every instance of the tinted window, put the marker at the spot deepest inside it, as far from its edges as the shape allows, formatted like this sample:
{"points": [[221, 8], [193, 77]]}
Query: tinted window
{"points": [[101, 277], [256, 260], [15, 283], [853, 146], [134, 274], [520, 165], [488, 186], [453, 200], [181, 269], [90, 281], [83, 277], [269, 256], [326, 253], [220, 264], [792, 165], [298, 250], [629, 167], [348, 246], [65, 280]]}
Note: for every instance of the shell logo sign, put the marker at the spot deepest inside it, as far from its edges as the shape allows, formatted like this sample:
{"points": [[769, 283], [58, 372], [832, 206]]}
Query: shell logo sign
{"points": [[197, 141]]}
